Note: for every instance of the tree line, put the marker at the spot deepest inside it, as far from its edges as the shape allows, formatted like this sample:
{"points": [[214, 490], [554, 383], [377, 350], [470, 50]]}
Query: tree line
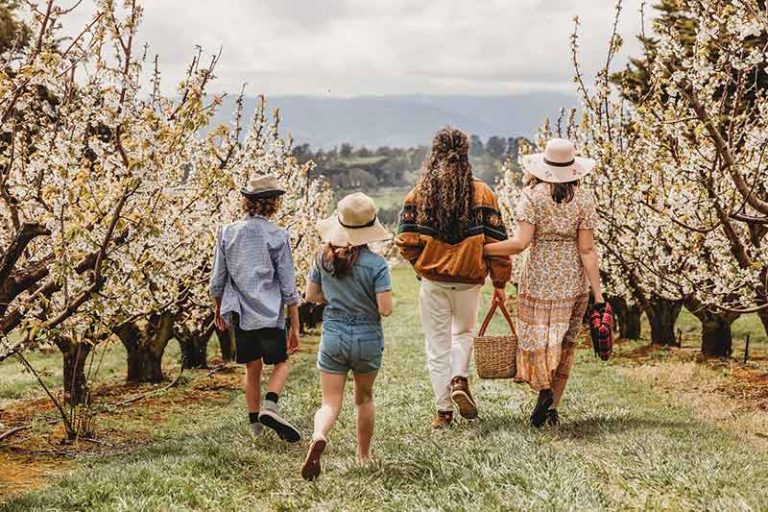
{"points": [[349, 167]]}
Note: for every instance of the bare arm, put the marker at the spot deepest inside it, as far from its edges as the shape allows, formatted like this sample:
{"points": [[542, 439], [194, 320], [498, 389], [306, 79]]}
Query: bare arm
{"points": [[384, 301], [515, 245], [589, 259], [314, 293], [293, 335]]}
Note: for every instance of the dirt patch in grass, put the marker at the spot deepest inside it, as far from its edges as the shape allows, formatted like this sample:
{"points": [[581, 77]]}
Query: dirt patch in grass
{"points": [[23, 473], [124, 416], [724, 392]]}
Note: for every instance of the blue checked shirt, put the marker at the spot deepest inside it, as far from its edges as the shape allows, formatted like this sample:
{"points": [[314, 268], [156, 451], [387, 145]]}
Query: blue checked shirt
{"points": [[253, 273]]}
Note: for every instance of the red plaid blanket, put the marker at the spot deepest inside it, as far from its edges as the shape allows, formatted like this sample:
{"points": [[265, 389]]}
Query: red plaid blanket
{"points": [[601, 330]]}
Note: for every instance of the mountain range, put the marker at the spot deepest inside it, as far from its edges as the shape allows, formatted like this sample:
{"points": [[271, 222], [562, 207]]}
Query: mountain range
{"points": [[405, 121]]}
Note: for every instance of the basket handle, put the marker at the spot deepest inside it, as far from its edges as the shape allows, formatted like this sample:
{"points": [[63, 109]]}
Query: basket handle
{"points": [[496, 303]]}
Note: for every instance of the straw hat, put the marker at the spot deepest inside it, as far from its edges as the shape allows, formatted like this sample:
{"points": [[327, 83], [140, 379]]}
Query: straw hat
{"points": [[262, 187], [558, 163], [355, 223]]}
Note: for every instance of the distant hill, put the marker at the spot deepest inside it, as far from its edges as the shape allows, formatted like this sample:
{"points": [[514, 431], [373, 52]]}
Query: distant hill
{"points": [[406, 121]]}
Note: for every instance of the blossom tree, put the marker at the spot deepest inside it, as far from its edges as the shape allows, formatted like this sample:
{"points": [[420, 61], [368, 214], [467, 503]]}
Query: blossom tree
{"points": [[681, 186], [110, 194]]}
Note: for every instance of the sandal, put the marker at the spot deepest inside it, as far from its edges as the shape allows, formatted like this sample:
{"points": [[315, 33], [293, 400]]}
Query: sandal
{"points": [[311, 468]]}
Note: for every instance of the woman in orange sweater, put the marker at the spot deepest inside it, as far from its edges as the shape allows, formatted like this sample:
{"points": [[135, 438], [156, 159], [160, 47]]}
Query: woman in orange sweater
{"points": [[446, 221]]}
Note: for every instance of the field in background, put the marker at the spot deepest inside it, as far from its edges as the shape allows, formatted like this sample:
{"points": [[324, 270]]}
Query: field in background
{"points": [[645, 430]]}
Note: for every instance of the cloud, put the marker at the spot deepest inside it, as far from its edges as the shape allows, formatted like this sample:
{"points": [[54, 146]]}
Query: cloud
{"points": [[375, 47]]}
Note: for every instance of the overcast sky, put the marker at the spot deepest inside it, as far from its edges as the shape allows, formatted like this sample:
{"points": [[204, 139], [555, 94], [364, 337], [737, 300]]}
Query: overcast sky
{"points": [[382, 47]]}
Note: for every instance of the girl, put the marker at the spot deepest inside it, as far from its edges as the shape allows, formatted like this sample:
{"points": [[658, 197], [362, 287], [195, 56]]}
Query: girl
{"points": [[446, 220], [356, 287], [556, 218]]}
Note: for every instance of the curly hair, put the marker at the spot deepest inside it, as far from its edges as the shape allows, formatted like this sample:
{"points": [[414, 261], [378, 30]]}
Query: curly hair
{"points": [[445, 193], [265, 207]]}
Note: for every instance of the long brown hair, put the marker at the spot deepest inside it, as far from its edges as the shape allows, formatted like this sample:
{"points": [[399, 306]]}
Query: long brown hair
{"points": [[338, 261], [445, 190], [561, 192]]}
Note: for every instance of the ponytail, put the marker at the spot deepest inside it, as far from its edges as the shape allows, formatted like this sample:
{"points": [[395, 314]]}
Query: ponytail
{"points": [[338, 261]]}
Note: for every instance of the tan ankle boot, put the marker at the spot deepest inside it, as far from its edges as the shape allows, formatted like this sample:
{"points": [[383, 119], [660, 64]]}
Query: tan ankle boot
{"points": [[442, 420], [463, 398]]}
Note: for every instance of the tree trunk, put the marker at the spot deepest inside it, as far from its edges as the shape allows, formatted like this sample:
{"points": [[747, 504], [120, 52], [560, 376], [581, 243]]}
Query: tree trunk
{"points": [[194, 347], [226, 344], [146, 347], [716, 337], [194, 352], [74, 356], [763, 315], [662, 315], [627, 318]]}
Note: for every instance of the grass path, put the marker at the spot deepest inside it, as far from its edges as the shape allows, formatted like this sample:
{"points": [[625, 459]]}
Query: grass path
{"points": [[621, 446]]}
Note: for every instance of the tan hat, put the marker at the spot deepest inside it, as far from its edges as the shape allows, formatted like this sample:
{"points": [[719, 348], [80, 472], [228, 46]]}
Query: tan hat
{"points": [[355, 223], [558, 163], [262, 187]]}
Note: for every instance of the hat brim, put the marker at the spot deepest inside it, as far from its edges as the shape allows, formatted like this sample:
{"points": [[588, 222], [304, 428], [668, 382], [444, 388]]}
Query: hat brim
{"points": [[262, 194], [332, 232], [535, 165]]}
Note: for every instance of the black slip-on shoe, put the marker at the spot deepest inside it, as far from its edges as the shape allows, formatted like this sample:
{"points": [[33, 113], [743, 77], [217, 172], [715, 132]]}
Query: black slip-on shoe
{"points": [[539, 414]]}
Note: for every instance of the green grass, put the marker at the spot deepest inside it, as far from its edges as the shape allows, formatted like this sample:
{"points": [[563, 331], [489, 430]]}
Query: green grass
{"points": [[621, 447], [108, 366]]}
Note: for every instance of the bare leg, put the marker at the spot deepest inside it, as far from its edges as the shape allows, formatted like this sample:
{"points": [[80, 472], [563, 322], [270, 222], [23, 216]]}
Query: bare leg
{"points": [[332, 386], [278, 377], [252, 385], [365, 413]]}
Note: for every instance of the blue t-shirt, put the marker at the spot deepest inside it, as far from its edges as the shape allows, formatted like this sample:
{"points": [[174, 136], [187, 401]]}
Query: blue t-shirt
{"points": [[354, 293]]}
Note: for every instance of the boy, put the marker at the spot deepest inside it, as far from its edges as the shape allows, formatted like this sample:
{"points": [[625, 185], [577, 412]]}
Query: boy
{"points": [[252, 282]]}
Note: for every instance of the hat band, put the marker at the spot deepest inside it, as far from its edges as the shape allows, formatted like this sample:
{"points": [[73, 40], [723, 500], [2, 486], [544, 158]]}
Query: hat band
{"points": [[559, 164], [367, 225]]}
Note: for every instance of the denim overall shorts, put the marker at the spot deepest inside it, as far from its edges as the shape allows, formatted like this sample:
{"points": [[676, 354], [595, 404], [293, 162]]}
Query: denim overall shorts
{"points": [[350, 342]]}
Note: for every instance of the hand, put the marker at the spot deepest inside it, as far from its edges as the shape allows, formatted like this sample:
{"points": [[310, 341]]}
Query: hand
{"points": [[293, 340], [220, 323], [499, 295]]}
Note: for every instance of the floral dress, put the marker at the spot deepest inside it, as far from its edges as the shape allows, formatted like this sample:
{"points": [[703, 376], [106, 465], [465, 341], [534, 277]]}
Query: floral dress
{"points": [[553, 291]]}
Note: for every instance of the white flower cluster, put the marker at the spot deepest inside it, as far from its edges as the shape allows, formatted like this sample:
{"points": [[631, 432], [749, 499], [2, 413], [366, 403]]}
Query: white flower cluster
{"points": [[118, 187], [682, 185]]}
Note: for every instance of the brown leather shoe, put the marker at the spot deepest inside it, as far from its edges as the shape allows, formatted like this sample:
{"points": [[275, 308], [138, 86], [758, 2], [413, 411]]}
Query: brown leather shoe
{"points": [[442, 420], [463, 398]]}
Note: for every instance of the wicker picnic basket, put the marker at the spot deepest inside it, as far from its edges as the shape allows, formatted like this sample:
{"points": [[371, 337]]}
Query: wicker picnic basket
{"points": [[496, 356]]}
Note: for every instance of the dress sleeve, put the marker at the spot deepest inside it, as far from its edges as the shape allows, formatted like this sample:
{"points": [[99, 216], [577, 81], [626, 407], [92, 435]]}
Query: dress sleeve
{"points": [[588, 214], [525, 211]]}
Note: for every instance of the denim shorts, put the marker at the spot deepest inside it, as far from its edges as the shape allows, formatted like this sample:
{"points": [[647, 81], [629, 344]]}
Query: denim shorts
{"points": [[350, 343]]}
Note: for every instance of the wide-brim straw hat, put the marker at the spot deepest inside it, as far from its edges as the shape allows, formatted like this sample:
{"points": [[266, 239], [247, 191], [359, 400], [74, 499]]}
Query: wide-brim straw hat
{"points": [[558, 163], [354, 223], [262, 188]]}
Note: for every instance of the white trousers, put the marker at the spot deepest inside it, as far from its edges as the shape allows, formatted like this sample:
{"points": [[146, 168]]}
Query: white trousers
{"points": [[448, 313]]}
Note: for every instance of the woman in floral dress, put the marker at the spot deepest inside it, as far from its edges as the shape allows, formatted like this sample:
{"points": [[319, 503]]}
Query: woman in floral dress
{"points": [[556, 218]]}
